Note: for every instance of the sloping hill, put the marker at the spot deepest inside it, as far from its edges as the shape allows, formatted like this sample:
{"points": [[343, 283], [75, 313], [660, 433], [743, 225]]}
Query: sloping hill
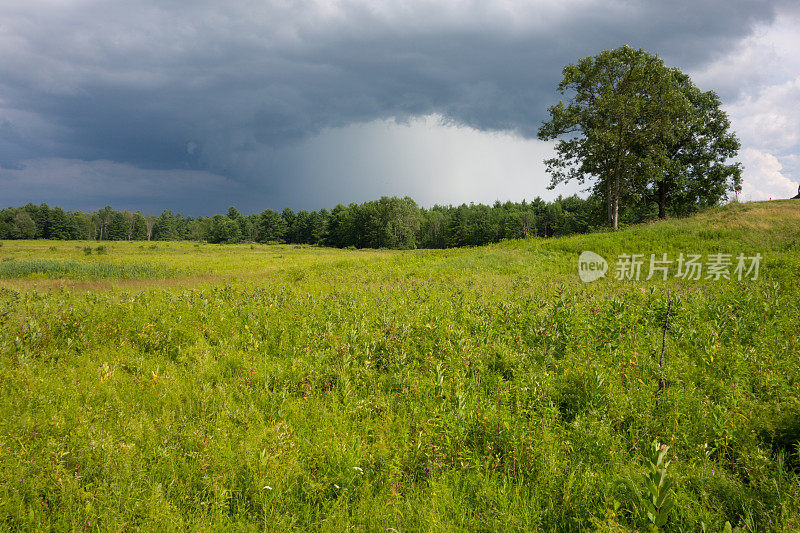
{"points": [[765, 226]]}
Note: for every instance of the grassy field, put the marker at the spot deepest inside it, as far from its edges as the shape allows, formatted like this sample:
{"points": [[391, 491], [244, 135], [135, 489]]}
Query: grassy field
{"points": [[181, 386]]}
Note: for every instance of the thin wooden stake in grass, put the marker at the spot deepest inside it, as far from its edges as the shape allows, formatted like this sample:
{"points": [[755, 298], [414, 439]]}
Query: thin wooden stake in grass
{"points": [[662, 384]]}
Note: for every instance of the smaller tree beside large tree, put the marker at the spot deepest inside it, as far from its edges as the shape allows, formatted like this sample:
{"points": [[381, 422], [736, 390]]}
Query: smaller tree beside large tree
{"points": [[699, 173]]}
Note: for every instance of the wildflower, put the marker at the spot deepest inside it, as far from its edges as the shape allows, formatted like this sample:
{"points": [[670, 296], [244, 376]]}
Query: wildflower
{"points": [[359, 470], [267, 487]]}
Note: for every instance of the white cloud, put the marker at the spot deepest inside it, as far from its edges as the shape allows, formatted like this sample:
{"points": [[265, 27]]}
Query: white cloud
{"points": [[764, 179], [769, 118], [762, 76]]}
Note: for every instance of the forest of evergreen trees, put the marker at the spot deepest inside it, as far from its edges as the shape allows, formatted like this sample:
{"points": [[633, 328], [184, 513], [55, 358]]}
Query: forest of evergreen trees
{"points": [[390, 222]]}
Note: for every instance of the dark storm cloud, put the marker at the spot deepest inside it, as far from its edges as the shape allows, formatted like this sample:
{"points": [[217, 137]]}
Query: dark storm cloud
{"points": [[203, 87]]}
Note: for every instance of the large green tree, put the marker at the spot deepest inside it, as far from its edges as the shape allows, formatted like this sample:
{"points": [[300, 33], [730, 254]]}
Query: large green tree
{"points": [[697, 171], [633, 125], [224, 229], [271, 226], [24, 226], [119, 226], [167, 226]]}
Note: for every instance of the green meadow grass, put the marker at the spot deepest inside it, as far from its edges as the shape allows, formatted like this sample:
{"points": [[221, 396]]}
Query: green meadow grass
{"points": [[277, 387], [50, 269]]}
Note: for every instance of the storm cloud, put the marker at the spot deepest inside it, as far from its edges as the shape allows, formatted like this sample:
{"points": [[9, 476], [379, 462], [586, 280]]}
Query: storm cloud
{"points": [[194, 106]]}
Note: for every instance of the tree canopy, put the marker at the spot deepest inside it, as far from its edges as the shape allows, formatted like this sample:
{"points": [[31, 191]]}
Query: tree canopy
{"points": [[643, 132]]}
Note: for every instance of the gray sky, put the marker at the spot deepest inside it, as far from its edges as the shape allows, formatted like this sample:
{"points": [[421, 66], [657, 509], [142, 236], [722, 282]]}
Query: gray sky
{"points": [[198, 105]]}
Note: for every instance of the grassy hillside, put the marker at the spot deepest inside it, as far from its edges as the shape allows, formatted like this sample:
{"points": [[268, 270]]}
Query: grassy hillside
{"points": [[172, 386]]}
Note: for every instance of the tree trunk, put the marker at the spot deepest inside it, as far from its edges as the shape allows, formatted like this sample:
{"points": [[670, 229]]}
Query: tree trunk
{"points": [[615, 220], [614, 205], [662, 200], [129, 218], [149, 223]]}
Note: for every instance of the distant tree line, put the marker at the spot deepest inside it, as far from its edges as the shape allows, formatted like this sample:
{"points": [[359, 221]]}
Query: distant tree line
{"points": [[390, 222]]}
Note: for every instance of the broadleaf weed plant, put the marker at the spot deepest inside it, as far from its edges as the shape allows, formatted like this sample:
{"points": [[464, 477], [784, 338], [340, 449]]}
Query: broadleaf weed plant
{"points": [[656, 502]]}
